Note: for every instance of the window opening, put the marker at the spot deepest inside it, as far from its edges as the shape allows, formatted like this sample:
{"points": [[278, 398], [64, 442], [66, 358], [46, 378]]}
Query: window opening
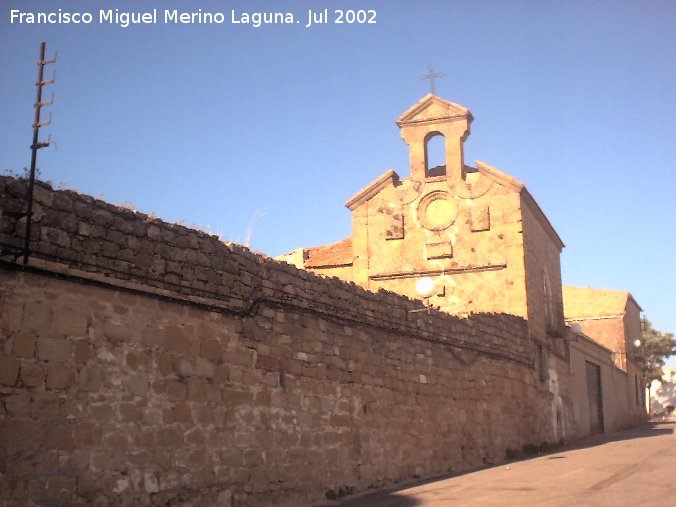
{"points": [[435, 155], [548, 300]]}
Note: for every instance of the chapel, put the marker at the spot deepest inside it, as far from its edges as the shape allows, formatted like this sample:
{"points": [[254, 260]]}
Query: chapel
{"points": [[474, 229]]}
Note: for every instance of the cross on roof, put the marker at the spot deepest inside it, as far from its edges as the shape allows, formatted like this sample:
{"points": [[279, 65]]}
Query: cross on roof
{"points": [[431, 75]]}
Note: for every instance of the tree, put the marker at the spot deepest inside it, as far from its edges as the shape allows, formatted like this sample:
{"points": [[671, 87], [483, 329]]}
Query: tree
{"points": [[656, 347]]}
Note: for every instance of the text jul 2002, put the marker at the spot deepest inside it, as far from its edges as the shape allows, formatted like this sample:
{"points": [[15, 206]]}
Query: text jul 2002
{"points": [[125, 19]]}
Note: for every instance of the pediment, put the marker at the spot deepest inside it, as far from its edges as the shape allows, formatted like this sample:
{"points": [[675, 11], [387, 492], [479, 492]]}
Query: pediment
{"points": [[432, 109], [389, 178]]}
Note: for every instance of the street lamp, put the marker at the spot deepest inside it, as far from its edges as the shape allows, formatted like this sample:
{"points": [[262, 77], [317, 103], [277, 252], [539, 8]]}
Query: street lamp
{"points": [[425, 287]]}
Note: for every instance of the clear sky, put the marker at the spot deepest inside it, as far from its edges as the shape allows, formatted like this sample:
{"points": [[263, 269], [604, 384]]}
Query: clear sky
{"points": [[271, 129]]}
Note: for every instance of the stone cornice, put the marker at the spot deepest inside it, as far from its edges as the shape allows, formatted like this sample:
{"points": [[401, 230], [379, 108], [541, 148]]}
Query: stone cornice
{"points": [[436, 272], [453, 111], [500, 177], [389, 178]]}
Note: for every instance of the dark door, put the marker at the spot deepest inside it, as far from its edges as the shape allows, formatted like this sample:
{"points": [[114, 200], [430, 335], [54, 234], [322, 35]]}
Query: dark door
{"points": [[595, 395]]}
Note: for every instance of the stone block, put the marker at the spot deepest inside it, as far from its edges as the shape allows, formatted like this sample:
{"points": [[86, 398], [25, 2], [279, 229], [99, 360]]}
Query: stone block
{"points": [[101, 411], [21, 434], [440, 250], [130, 412], [59, 376], [204, 367], [89, 379], [9, 371], [164, 362], [37, 317], [184, 367], [60, 437], [116, 440], [70, 322], [179, 413], [240, 357], [234, 396], [197, 389], [116, 332], [11, 316], [195, 436], [62, 487], [150, 483], [70, 409], [213, 393], [55, 237], [137, 384], [204, 414], [262, 398], [175, 390], [32, 375], [24, 345], [268, 363], [45, 406], [54, 349], [18, 406], [81, 352], [176, 340], [211, 349]]}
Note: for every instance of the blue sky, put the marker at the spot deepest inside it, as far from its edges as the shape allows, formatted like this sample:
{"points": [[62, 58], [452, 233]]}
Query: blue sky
{"points": [[224, 126]]}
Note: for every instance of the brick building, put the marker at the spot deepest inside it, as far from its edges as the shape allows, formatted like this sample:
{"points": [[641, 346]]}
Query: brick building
{"points": [[607, 325]]}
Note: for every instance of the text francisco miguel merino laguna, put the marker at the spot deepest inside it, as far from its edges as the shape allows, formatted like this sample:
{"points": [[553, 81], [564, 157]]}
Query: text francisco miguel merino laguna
{"points": [[199, 17]]}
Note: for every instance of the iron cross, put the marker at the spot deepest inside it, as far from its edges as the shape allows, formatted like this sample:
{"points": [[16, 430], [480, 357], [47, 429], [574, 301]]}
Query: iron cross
{"points": [[431, 75]]}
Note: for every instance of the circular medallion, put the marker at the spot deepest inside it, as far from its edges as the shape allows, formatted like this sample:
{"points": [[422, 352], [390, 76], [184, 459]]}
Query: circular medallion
{"points": [[437, 211]]}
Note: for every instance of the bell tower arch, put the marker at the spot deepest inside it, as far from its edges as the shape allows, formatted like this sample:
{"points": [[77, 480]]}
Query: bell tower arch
{"points": [[425, 122]]}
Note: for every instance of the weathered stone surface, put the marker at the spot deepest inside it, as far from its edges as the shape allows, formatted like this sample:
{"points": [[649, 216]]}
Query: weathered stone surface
{"points": [[9, 370], [59, 376], [292, 392], [238, 379], [24, 345], [54, 349], [37, 317], [70, 322]]}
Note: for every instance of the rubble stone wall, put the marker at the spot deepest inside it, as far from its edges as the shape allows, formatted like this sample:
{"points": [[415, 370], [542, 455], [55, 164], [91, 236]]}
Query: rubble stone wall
{"points": [[144, 363]]}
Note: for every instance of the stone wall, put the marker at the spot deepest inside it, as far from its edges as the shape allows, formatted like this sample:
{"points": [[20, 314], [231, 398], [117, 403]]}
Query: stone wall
{"points": [[622, 391], [147, 363], [543, 260]]}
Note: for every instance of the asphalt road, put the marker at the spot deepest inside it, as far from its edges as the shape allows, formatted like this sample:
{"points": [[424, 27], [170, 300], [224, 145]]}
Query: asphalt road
{"points": [[636, 467]]}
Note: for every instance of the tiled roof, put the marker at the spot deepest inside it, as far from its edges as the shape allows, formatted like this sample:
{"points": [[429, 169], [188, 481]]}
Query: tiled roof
{"points": [[580, 302], [336, 254]]}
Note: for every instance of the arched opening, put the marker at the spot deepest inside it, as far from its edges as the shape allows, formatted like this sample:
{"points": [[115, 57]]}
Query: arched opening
{"points": [[435, 155]]}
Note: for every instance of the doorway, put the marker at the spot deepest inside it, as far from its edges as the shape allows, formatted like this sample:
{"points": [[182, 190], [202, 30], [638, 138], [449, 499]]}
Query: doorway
{"points": [[595, 396]]}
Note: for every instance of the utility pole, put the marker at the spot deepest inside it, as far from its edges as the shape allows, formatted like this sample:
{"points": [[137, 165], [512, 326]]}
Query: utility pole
{"points": [[37, 144]]}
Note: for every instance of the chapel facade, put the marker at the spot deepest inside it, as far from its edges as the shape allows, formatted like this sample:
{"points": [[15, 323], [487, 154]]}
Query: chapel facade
{"points": [[475, 230]]}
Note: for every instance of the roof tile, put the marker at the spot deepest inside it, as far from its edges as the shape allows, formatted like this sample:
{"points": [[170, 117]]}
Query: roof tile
{"points": [[336, 254]]}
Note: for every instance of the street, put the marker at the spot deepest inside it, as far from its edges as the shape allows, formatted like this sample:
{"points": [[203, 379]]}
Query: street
{"points": [[634, 467]]}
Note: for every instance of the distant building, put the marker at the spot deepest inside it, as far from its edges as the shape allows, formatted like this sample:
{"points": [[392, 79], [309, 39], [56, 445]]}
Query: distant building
{"points": [[611, 321], [663, 394]]}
